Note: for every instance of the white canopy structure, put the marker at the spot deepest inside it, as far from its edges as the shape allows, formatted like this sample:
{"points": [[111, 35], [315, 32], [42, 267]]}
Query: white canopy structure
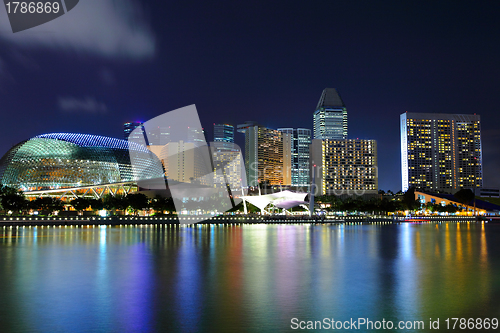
{"points": [[283, 199]]}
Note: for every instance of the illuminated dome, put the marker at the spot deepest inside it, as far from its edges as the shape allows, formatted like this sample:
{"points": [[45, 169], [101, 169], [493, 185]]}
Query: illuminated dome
{"points": [[68, 160]]}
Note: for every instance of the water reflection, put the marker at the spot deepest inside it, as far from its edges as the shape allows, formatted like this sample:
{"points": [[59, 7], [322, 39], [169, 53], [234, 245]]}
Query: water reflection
{"points": [[250, 278]]}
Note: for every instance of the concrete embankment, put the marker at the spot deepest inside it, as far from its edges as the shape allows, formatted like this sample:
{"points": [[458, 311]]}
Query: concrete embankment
{"points": [[277, 219]]}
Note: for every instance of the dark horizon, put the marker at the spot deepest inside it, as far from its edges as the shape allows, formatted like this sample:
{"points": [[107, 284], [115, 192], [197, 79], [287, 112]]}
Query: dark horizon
{"points": [[100, 66]]}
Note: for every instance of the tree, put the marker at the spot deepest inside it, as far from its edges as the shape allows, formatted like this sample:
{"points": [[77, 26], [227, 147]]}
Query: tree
{"points": [[450, 208], [57, 205], [138, 201], [14, 202], [352, 204], [116, 202], [161, 204], [48, 204], [409, 200], [5, 190], [432, 207], [334, 201], [464, 196], [96, 204], [240, 207], [80, 204]]}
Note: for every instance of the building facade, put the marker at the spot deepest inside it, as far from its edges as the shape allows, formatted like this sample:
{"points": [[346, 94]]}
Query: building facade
{"points": [[224, 136], [489, 192], [129, 127], [228, 167], [344, 167], [186, 162], [330, 116], [441, 152], [156, 136], [266, 157], [299, 150]]}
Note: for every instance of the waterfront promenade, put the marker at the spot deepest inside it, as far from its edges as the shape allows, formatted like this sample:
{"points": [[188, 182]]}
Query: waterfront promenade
{"points": [[223, 219]]}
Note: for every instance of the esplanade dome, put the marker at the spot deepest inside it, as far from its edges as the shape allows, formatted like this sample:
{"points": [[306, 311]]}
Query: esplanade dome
{"points": [[68, 160]]}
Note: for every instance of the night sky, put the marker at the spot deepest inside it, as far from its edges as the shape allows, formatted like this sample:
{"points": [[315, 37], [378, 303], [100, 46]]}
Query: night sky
{"points": [[107, 62]]}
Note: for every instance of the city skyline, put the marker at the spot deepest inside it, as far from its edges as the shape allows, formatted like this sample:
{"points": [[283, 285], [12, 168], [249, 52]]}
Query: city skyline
{"points": [[249, 166], [267, 63]]}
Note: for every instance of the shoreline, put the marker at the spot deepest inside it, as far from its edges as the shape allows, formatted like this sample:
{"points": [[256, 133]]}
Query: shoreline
{"points": [[169, 220]]}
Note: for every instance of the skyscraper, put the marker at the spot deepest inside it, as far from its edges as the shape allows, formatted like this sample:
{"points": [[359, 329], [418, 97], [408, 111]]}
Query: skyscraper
{"points": [[441, 152], [266, 160], [154, 136], [183, 162], [130, 127], [158, 135], [223, 133], [300, 141], [330, 117], [228, 164], [345, 167], [196, 135], [223, 136]]}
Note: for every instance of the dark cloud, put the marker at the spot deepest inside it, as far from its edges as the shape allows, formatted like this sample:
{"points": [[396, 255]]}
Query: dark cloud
{"points": [[100, 27], [87, 105], [5, 75], [107, 77], [24, 59]]}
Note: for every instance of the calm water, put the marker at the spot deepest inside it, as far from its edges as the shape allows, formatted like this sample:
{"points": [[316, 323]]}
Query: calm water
{"points": [[248, 278]]}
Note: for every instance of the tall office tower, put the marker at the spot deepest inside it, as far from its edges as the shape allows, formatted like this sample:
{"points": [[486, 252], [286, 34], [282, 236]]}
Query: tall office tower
{"points": [[251, 131], [153, 137], [183, 162], [158, 136], [441, 152], [228, 164], [345, 167], [330, 117], [196, 135], [265, 160], [226, 156], [223, 133], [301, 139], [130, 127]]}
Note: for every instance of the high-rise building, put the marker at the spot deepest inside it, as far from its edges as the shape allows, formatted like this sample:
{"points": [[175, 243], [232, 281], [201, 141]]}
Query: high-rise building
{"points": [[345, 167], [266, 160], [223, 133], [158, 136], [223, 136], [441, 152], [184, 162], [330, 117], [196, 135], [226, 156], [228, 164], [130, 127], [300, 141], [154, 136]]}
